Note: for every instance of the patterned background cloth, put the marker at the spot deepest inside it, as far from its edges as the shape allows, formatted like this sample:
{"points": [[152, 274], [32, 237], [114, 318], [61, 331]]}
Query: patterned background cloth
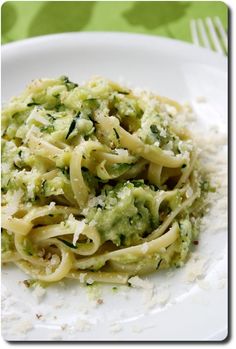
{"points": [[171, 19]]}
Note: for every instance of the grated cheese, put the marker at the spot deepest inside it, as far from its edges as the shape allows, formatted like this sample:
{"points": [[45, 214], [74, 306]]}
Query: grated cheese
{"points": [[196, 267], [23, 326], [144, 247], [80, 225], [114, 328], [82, 325], [39, 292], [51, 205], [137, 282], [36, 115]]}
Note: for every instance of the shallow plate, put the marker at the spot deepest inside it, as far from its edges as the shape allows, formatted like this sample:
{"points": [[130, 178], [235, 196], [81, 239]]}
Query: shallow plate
{"points": [[171, 308]]}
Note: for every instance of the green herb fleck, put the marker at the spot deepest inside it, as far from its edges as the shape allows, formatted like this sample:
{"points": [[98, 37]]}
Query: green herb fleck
{"points": [[29, 283], [73, 124], [206, 187], [65, 171], [69, 84], [71, 128], [138, 182], [33, 103], [124, 92], [158, 264], [28, 248], [67, 243], [51, 117], [119, 169], [47, 129], [43, 186], [154, 129], [116, 133]]}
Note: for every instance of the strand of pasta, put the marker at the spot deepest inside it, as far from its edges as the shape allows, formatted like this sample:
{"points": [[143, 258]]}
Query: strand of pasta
{"points": [[135, 170], [10, 256], [104, 174], [149, 152], [157, 260], [188, 170], [68, 193], [168, 173], [115, 158], [55, 230], [23, 226], [154, 174], [44, 148], [136, 268], [15, 225], [135, 145], [66, 263], [99, 276], [167, 195], [37, 212], [80, 189], [166, 100], [160, 230], [22, 245], [136, 251]]}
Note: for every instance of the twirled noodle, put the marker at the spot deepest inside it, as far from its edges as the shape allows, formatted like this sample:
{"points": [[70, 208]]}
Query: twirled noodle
{"points": [[134, 144], [43, 148], [98, 183], [78, 185], [55, 230], [134, 251], [55, 275]]}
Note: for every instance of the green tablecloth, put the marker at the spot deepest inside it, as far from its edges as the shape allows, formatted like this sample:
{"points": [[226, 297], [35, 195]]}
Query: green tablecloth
{"points": [[21, 19]]}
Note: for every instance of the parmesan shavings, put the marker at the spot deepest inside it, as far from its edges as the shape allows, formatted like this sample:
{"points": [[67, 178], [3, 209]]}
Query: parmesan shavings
{"points": [[196, 267], [79, 229], [76, 226], [144, 248], [137, 282], [82, 277], [13, 202], [82, 325], [23, 326], [114, 328], [36, 115], [39, 292], [51, 205]]}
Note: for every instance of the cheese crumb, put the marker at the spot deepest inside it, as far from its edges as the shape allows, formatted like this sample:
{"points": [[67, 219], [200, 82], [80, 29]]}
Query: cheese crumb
{"points": [[39, 292], [23, 326], [137, 282], [82, 277], [51, 205], [201, 99], [114, 328], [195, 267], [162, 297], [82, 325], [79, 229], [203, 284], [144, 247], [90, 281]]}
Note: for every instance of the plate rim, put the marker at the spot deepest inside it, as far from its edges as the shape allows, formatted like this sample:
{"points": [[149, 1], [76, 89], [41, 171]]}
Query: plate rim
{"points": [[116, 35]]}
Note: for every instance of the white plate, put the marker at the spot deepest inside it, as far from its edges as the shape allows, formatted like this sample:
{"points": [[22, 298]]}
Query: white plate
{"points": [[193, 311]]}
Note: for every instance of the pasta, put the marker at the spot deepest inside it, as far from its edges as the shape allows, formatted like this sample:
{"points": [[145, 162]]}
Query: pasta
{"points": [[99, 182]]}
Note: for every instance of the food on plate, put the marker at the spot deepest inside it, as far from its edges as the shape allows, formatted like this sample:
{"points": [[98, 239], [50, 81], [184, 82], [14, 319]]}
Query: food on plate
{"points": [[99, 182]]}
